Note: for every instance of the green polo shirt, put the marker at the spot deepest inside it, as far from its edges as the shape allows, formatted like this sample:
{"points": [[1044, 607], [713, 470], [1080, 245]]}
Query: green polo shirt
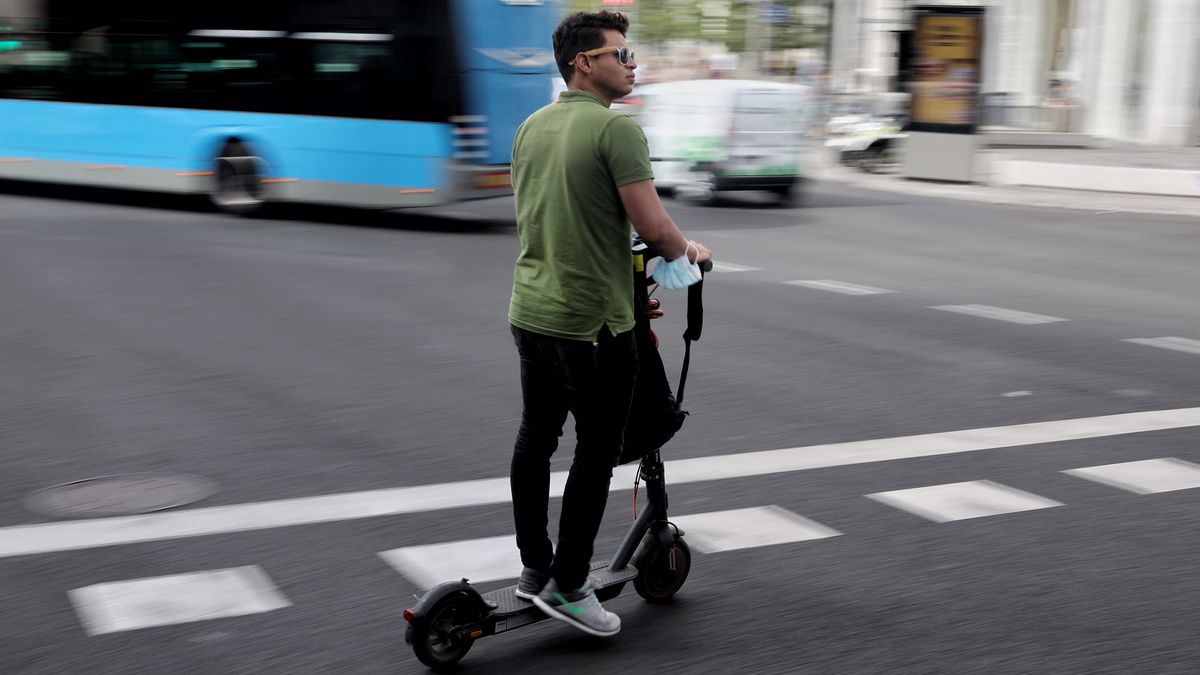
{"points": [[574, 273]]}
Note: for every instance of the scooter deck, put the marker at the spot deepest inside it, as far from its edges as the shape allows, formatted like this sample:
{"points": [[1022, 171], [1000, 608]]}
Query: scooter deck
{"points": [[507, 603]]}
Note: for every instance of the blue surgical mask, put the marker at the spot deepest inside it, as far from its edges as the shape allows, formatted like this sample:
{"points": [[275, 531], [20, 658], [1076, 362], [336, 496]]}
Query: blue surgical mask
{"points": [[678, 273]]}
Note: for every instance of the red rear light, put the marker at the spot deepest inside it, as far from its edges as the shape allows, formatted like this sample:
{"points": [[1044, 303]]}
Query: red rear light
{"points": [[491, 180], [409, 616]]}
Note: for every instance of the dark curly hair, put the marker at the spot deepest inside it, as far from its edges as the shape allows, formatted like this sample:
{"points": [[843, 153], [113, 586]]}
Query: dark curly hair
{"points": [[581, 32]]}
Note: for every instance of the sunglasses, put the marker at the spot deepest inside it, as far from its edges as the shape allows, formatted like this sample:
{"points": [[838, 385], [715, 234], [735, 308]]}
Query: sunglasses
{"points": [[624, 54]]}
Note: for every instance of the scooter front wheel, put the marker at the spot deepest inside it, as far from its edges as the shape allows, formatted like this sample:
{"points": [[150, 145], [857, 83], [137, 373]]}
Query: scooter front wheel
{"points": [[662, 571], [433, 639]]}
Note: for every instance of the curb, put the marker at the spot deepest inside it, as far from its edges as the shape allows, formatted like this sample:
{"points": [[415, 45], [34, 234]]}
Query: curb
{"points": [[1019, 195], [1097, 178]]}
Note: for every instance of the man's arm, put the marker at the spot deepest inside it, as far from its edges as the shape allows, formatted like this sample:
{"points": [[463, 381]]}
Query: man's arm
{"points": [[654, 224]]}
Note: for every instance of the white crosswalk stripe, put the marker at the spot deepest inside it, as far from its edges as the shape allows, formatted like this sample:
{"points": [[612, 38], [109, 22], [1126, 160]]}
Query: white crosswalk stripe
{"points": [[178, 598], [838, 287], [1000, 314], [1174, 343], [479, 560], [959, 501], [748, 528], [1144, 477], [497, 558]]}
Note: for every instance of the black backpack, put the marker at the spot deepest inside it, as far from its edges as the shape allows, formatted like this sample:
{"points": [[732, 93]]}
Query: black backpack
{"points": [[656, 415]]}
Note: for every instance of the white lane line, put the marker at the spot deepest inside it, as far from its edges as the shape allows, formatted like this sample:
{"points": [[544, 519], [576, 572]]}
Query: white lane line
{"points": [[838, 286], [479, 560], [1176, 343], [748, 528], [174, 599], [730, 267], [959, 501], [81, 534], [497, 558], [1000, 314], [1144, 477]]}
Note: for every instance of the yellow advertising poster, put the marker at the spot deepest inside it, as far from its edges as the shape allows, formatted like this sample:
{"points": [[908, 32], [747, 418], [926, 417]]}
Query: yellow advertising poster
{"points": [[945, 80]]}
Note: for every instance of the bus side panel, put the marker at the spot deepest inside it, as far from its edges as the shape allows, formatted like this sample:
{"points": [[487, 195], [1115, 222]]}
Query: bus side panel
{"points": [[507, 100], [208, 142], [90, 144], [508, 61], [338, 150], [401, 154], [94, 134]]}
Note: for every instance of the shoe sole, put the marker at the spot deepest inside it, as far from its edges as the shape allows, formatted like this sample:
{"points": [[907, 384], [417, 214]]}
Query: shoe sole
{"points": [[555, 614], [524, 595]]}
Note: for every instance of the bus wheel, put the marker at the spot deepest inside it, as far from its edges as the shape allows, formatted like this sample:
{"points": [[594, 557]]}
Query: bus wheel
{"points": [[237, 185]]}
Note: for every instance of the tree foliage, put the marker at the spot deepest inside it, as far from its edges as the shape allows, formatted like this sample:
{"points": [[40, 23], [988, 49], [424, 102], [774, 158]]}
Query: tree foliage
{"points": [[718, 21]]}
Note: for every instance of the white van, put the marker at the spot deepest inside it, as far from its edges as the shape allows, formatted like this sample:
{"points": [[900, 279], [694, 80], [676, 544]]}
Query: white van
{"points": [[710, 136]]}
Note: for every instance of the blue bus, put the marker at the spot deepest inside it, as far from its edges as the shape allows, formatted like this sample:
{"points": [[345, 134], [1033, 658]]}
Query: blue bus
{"points": [[371, 103]]}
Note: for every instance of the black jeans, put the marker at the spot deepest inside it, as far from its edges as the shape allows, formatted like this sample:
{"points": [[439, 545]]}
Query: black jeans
{"points": [[594, 382]]}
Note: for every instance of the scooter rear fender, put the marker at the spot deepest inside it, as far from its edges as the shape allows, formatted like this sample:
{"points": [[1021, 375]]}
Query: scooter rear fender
{"points": [[420, 612]]}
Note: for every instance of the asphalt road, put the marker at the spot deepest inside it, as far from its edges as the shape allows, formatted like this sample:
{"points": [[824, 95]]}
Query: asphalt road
{"points": [[322, 352]]}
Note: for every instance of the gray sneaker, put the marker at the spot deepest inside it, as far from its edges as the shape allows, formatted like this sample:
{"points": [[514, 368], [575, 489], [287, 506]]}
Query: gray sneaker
{"points": [[580, 609], [531, 583]]}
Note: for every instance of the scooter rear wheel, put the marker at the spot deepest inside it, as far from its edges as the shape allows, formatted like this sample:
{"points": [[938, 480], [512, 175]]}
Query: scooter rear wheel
{"points": [[662, 571], [431, 639]]}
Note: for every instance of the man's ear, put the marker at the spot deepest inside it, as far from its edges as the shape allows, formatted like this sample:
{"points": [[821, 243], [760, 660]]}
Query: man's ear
{"points": [[583, 64]]}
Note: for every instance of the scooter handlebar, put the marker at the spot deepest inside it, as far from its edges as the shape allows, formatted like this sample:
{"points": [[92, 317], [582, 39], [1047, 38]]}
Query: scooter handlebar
{"points": [[650, 253]]}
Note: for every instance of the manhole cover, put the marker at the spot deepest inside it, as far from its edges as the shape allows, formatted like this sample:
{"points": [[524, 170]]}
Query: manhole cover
{"points": [[120, 495]]}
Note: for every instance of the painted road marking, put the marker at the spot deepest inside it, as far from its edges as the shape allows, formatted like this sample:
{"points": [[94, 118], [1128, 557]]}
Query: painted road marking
{"points": [[730, 267], [479, 560], [1145, 477], [81, 534], [1000, 314], [497, 558], [838, 286], [748, 528], [1176, 343], [959, 501], [174, 599]]}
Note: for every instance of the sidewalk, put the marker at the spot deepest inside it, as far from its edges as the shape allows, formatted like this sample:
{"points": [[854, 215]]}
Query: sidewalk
{"points": [[1108, 166], [1108, 176]]}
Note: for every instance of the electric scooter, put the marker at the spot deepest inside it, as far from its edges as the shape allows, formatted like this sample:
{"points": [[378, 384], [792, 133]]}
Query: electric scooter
{"points": [[451, 616]]}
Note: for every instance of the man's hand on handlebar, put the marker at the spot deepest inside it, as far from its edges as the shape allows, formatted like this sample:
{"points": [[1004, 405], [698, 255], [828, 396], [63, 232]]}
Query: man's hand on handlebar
{"points": [[699, 253]]}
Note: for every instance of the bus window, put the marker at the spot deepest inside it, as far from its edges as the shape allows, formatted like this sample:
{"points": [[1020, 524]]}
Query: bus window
{"points": [[31, 68], [235, 72], [349, 79]]}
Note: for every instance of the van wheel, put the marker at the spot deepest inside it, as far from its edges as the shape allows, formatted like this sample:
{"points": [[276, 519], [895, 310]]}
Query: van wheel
{"points": [[237, 182], [790, 195], [701, 194]]}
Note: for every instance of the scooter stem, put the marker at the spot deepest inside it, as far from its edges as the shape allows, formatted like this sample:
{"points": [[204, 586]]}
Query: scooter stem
{"points": [[656, 509]]}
